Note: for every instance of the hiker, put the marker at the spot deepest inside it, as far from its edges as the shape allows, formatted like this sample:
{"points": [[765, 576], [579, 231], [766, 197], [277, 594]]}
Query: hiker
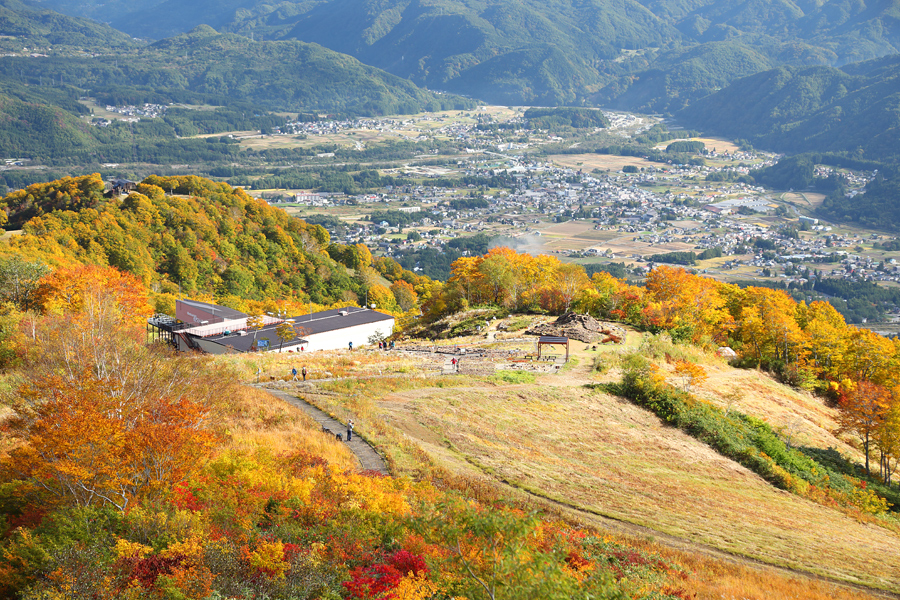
{"points": [[392, 344], [453, 362], [349, 430], [304, 373], [294, 374], [380, 346], [350, 345]]}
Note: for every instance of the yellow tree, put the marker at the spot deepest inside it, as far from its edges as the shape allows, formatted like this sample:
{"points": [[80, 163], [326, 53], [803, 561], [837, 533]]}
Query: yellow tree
{"points": [[767, 325], [690, 373], [500, 275], [887, 438], [687, 301], [570, 280], [404, 294], [825, 329], [466, 274], [863, 410], [382, 298], [867, 355]]}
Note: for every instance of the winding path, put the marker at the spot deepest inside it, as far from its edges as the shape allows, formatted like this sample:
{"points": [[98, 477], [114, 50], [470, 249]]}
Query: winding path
{"points": [[369, 459]]}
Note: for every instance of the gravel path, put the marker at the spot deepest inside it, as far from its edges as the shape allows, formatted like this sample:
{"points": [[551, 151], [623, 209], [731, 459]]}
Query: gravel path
{"points": [[369, 459]]}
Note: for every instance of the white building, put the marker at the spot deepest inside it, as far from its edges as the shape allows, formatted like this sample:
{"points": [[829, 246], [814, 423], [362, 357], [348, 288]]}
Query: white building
{"points": [[220, 330]]}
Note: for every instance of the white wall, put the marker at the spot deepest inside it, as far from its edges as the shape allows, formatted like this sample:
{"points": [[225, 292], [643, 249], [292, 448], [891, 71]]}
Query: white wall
{"points": [[340, 338]]}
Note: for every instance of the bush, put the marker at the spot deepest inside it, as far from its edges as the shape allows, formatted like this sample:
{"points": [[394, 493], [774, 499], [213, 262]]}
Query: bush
{"points": [[512, 377]]}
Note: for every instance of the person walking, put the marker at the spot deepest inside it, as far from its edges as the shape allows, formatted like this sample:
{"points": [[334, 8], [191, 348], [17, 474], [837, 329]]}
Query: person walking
{"points": [[304, 373], [294, 374], [350, 345], [349, 430]]}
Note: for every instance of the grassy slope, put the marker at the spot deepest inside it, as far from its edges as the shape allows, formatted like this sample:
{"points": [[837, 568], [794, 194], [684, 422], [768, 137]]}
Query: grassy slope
{"points": [[560, 440], [604, 457]]}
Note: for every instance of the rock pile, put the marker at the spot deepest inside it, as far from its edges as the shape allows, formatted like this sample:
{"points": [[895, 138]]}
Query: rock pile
{"points": [[584, 328]]}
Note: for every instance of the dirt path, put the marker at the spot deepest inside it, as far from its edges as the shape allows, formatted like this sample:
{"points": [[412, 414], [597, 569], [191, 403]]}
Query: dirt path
{"points": [[369, 459]]}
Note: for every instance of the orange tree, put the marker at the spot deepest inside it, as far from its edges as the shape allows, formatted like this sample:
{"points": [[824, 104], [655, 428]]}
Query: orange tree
{"points": [[863, 411]]}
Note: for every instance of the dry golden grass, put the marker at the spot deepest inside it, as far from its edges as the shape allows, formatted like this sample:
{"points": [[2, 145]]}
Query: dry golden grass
{"points": [[257, 420], [801, 415], [319, 364], [606, 456], [557, 441]]}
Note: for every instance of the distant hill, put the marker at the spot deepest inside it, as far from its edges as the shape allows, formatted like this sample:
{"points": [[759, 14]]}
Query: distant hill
{"points": [[42, 31], [548, 53], [39, 96], [531, 52], [810, 109]]}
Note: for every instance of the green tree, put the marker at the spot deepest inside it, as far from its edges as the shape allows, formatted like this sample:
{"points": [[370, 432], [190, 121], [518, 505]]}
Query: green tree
{"points": [[19, 279]]}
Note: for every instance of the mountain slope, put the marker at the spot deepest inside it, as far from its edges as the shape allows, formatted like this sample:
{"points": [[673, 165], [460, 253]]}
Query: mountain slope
{"points": [[22, 24], [559, 52], [436, 44], [810, 109], [202, 236]]}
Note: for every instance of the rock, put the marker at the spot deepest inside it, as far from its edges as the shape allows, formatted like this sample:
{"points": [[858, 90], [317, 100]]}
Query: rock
{"points": [[584, 328]]}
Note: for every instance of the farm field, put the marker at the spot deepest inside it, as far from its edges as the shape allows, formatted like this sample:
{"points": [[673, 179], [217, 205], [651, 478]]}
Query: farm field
{"points": [[589, 162]]}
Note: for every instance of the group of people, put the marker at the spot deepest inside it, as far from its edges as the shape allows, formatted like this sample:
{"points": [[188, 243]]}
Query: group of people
{"points": [[294, 373], [381, 345]]}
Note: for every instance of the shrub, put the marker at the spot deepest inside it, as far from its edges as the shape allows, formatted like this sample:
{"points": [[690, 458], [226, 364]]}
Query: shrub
{"points": [[512, 377]]}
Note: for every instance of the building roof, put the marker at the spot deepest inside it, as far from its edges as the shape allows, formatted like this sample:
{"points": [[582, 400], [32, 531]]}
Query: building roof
{"points": [[305, 326], [338, 318], [220, 311]]}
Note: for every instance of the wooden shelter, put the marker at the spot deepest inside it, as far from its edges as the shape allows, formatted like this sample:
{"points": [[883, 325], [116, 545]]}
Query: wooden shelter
{"points": [[552, 340]]}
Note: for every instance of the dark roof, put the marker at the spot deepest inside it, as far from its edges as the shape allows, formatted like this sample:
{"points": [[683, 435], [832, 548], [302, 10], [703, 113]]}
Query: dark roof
{"points": [[305, 325], [243, 343], [330, 320], [220, 311], [552, 339]]}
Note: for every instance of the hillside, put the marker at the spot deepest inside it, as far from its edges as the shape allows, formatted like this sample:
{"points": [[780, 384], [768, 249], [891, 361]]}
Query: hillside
{"points": [[557, 53], [47, 31], [634, 468], [206, 66], [810, 109], [558, 442], [179, 233]]}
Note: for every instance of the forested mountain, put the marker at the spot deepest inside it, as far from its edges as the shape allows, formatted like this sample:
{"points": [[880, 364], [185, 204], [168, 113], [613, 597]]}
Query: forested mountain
{"points": [[810, 109], [182, 233], [39, 95], [223, 68], [559, 52], [24, 25]]}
